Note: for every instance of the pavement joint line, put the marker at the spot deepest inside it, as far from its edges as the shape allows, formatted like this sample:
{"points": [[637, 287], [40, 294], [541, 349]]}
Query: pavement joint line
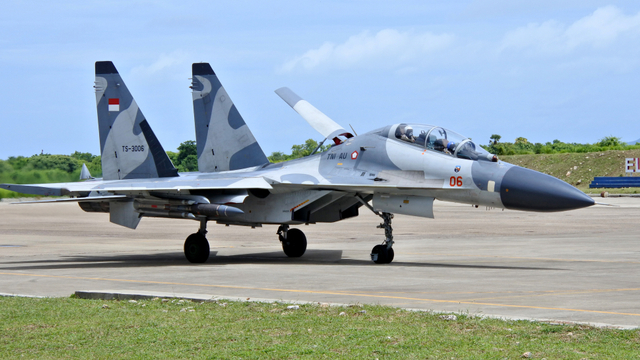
{"points": [[531, 258], [555, 292], [518, 292], [325, 292]]}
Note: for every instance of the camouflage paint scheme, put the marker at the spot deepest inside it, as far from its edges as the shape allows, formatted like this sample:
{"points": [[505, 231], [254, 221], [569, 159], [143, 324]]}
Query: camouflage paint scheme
{"points": [[399, 174]]}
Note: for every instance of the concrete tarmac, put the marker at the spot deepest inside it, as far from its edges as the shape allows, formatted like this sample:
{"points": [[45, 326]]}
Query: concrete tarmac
{"points": [[577, 266]]}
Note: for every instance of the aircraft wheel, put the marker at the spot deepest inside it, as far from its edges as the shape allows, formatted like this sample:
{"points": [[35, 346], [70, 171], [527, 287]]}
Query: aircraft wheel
{"points": [[196, 248], [296, 243], [381, 255]]}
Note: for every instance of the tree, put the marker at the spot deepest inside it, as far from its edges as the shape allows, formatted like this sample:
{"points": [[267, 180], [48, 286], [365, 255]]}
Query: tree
{"points": [[84, 157], [48, 162], [521, 141], [173, 156], [298, 151], [187, 148], [277, 156], [610, 141], [190, 163], [187, 159], [495, 138]]}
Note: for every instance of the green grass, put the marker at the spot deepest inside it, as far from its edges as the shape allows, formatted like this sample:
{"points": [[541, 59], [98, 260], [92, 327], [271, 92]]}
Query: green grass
{"points": [[583, 167], [74, 328]]}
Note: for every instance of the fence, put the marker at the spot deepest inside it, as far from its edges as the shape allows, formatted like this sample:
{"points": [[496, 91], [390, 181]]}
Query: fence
{"points": [[615, 182]]}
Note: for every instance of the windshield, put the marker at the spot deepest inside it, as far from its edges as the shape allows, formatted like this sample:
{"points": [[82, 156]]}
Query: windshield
{"points": [[439, 139]]}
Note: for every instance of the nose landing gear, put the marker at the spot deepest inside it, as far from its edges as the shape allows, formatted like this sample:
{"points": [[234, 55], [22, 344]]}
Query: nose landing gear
{"points": [[383, 253]]}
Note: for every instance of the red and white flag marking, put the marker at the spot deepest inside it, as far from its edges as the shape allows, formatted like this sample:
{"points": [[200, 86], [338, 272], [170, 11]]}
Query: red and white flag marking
{"points": [[114, 104]]}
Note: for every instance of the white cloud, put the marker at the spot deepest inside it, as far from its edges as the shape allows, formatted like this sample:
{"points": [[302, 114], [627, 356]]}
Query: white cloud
{"points": [[164, 62], [387, 48], [597, 30]]}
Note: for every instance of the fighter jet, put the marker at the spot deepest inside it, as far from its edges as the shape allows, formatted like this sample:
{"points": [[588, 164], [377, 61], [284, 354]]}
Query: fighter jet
{"points": [[396, 169]]}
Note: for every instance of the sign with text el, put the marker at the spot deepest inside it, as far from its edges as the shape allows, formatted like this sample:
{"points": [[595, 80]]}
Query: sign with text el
{"points": [[632, 165]]}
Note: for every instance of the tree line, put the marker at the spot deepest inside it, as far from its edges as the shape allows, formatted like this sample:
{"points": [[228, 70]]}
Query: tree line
{"points": [[522, 146]]}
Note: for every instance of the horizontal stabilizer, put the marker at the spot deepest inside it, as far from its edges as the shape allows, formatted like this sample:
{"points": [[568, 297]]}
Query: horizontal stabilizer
{"points": [[36, 189], [319, 121], [134, 187], [78, 199]]}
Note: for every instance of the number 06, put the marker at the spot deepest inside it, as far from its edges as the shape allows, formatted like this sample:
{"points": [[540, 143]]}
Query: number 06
{"points": [[455, 181]]}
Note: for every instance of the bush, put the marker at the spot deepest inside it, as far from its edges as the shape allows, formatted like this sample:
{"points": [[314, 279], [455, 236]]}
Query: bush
{"points": [[297, 151], [522, 146]]}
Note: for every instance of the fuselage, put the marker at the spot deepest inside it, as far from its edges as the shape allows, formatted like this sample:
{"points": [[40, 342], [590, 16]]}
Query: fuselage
{"points": [[329, 186]]}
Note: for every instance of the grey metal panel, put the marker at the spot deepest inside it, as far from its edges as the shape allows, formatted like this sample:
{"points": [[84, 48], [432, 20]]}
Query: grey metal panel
{"points": [[78, 199], [43, 190], [288, 96], [84, 173], [246, 157], [406, 205], [162, 163], [126, 152], [318, 120], [483, 172], [223, 140], [123, 213], [235, 120]]}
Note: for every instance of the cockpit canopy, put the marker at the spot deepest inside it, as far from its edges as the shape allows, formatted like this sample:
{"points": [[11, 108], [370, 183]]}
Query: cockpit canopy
{"points": [[437, 139]]}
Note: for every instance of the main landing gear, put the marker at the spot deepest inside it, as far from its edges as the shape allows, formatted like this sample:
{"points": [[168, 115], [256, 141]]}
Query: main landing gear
{"points": [[196, 247], [294, 243], [383, 253]]}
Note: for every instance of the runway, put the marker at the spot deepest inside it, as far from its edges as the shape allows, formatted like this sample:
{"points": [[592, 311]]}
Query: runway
{"points": [[577, 266]]}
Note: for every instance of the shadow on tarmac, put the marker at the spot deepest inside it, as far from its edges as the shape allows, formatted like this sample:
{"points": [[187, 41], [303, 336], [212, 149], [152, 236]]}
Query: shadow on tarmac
{"points": [[311, 257]]}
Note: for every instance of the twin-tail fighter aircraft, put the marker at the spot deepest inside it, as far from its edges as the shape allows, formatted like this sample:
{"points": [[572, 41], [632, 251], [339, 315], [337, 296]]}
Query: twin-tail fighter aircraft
{"points": [[396, 169]]}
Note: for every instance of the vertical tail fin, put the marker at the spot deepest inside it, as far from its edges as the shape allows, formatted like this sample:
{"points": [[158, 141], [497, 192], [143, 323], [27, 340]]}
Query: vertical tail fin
{"points": [[223, 139], [129, 148], [84, 173]]}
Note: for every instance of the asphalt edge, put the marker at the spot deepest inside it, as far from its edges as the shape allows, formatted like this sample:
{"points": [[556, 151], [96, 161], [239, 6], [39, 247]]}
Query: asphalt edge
{"points": [[148, 295]]}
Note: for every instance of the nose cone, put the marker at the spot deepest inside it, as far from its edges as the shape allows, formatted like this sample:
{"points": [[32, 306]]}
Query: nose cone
{"points": [[524, 189]]}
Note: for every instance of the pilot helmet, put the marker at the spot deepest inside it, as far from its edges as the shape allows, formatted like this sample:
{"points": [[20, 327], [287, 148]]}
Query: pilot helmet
{"points": [[451, 146], [408, 130]]}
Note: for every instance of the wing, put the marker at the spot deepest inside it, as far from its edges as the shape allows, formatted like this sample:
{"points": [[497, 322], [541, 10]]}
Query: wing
{"points": [[319, 121]]}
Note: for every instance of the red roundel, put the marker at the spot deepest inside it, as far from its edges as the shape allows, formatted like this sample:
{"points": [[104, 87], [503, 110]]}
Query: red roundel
{"points": [[354, 155]]}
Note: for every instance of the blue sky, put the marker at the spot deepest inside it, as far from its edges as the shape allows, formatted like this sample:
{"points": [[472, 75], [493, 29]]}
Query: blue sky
{"points": [[544, 70]]}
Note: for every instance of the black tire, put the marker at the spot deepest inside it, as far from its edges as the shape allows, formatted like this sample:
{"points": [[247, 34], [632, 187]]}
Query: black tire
{"points": [[381, 255], [296, 243], [196, 248], [390, 255]]}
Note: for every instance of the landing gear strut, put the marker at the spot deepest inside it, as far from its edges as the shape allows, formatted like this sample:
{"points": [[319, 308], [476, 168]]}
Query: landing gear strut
{"points": [[196, 247], [383, 253], [294, 242]]}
